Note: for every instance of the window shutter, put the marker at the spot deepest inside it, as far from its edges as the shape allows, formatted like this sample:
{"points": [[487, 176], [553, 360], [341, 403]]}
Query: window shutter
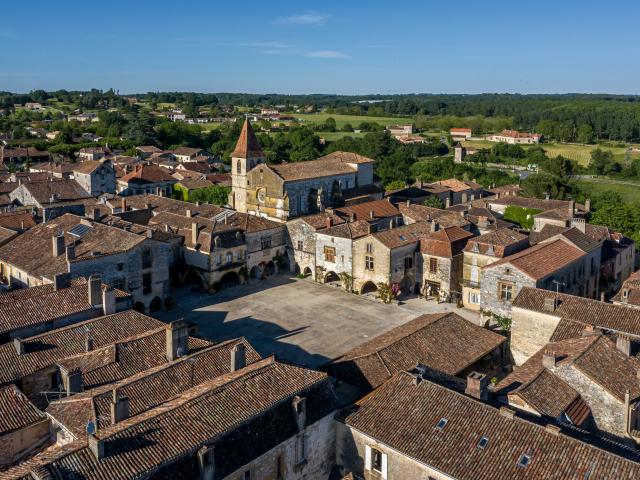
{"points": [[367, 457], [384, 465]]}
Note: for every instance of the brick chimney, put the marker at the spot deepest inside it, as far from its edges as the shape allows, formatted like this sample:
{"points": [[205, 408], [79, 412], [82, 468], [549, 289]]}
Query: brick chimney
{"points": [[108, 301], [238, 357], [94, 291], [177, 334], [120, 407], [58, 244], [549, 359], [477, 386]]}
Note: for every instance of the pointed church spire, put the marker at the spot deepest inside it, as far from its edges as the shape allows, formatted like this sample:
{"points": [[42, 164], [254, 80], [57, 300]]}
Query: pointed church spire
{"points": [[248, 145]]}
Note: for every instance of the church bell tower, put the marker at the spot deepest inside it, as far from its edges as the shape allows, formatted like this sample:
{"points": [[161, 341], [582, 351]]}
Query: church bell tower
{"points": [[244, 158]]}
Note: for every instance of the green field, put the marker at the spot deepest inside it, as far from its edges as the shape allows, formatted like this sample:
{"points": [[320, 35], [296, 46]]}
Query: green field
{"points": [[579, 153], [331, 136], [354, 120], [629, 190]]}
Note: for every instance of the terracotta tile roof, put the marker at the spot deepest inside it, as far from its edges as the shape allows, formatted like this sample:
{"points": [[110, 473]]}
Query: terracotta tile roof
{"points": [[517, 134], [446, 242], [148, 149], [194, 183], [147, 174], [632, 287], [86, 167], [318, 221], [422, 213], [391, 413], [125, 357], [187, 151], [456, 185], [364, 211], [580, 240], [444, 342], [494, 243], [46, 349], [460, 130], [243, 414], [536, 203], [541, 260], [44, 304], [200, 167], [148, 388], [16, 410], [352, 230], [547, 394], [248, 145], [30, 152], [32, 251], [57, 190], [17, 220], [581, 311], [401, 236], [165, 204], [336, 163], [223, 179]]}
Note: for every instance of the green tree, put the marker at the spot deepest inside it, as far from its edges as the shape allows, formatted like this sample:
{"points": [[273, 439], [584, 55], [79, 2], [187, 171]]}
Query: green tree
{"points": [[585, 133], [603, 163], [215, 194], [394, 185], [433, 201]]}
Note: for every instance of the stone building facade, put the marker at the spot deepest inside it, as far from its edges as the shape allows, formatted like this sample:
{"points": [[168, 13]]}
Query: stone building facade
{"points": [[95, 177]]}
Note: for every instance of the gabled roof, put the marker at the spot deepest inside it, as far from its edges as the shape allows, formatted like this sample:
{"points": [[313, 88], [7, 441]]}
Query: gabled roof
{"points": [[86, 167], [403, 413], [370, 211], [46, 349], [336, 163], [401, 236], [446, 242], [17, 411], [248, 145], [580, 311], [541, 260], [422, 213], [445, 342], [352, 230], [496, 241], [147, 174], [55, 190]]}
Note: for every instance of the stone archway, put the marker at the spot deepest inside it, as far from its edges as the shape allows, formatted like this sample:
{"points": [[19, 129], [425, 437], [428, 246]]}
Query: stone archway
{"points": [[307, 272], [255, 272], [368, 287], [269, 268], [331, 277], [155, 305], [230, 279]]}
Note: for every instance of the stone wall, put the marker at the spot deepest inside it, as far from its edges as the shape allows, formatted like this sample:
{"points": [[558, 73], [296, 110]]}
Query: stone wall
{"points": [[489, 295], [305, 257], [320, 440], [530, 331], [101, 180], [19, 442], [343, 254]]}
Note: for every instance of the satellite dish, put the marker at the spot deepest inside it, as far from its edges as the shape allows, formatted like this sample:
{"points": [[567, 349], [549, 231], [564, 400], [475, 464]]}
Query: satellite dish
{"points": [[91, 427]]}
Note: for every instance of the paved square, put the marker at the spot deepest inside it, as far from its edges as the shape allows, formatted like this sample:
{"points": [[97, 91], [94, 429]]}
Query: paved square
{"points": [[298, 320]]}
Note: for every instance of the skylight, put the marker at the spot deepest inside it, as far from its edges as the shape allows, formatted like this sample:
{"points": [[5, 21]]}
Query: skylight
{"points": [[80, 230], [482, 443], [524, 460], [441, 424]]}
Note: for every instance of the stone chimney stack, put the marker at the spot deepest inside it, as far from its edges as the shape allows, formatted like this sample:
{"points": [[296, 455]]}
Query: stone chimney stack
{"points": [[194, 233], [328, 222], [96, 446], [572, 207], [372, 214], [71, 252], [238, 357], [94, 290], [587, 205], [447, 202], [549, 304], [187, 213], [19, 346], [123, 204], [435, 226], [108, 301], [177, 334], [623, 344], [95, 214], [88, 343], [549, 359], [120, 407], [477, 386], [58, 244], [61, 280]]}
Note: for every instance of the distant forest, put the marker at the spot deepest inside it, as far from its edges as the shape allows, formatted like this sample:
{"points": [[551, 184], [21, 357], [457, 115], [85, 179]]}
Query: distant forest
{"points": [[569, 117]]}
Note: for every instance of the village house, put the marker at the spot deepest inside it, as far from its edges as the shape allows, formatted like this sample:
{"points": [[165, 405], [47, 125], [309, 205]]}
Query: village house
{"points": [[380, 214], [440, 261], [442, 342], [146, 179], [282, 427], [411, 427], [515, 137], [389, 257], [40, 194], [589, 381], [186, 186], [93, 153], [482, 251], [30, 311], [146, 151], [95, 177], [414, 213], [460, 191], [281, 191], [553, 265], [400, 130], [188, 154], [629, 294], [460, 134], [500, 203], [301, 240], [81, 247], [542, 316], [482, 219]]}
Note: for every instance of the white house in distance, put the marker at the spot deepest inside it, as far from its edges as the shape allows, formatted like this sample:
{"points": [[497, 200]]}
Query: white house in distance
{"points": [[515, 137], [460, 134]]}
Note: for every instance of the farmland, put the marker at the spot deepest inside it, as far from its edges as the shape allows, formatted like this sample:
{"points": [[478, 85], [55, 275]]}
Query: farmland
{"points": [[353, 120], [628, 190]]}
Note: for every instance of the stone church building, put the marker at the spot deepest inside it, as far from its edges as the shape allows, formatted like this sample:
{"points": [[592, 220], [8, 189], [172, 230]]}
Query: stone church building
{"points": [[279, 192]]}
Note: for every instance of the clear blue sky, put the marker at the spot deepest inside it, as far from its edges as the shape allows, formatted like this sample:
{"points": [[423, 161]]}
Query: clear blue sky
{"points": [[337, 47]]}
